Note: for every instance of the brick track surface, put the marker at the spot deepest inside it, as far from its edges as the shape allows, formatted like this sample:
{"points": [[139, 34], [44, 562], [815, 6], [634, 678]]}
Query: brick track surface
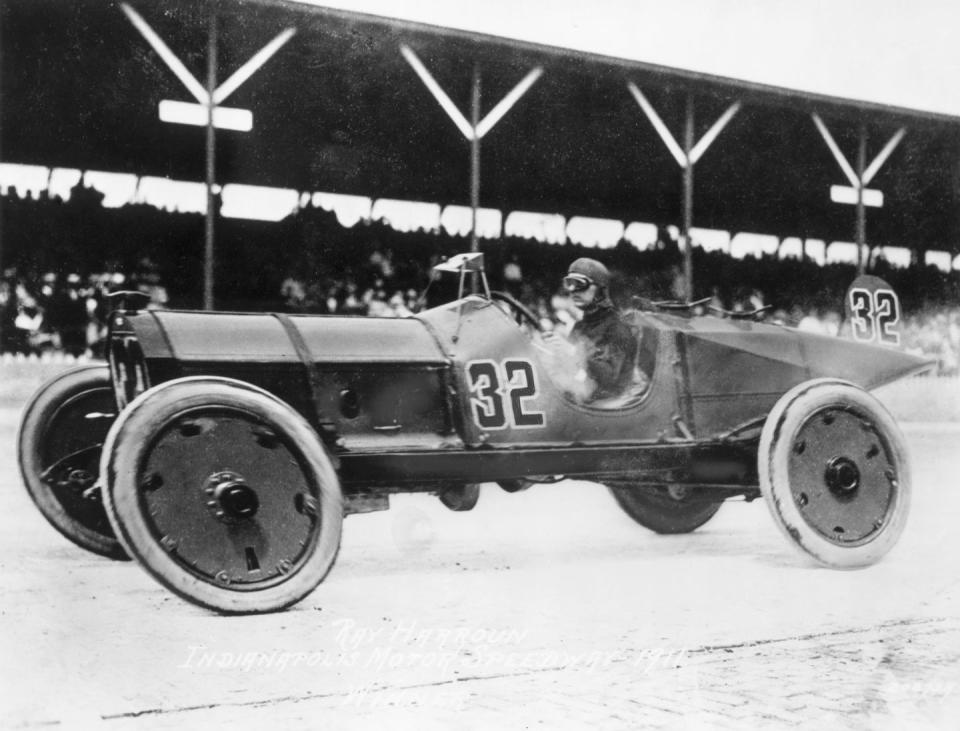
{"points": [[542, 609]]}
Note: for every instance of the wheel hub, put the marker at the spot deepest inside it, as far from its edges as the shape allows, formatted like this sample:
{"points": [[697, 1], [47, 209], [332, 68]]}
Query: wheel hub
{"points": [[230, 497], [842, 477], [237, 499]]}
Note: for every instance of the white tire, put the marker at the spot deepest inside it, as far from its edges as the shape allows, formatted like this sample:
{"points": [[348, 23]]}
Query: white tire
{"points": [[223, 493], [834, 473]]}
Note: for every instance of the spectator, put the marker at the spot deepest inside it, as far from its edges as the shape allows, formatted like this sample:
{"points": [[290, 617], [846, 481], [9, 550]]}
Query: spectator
{"points": [[812, 323], [512, 276], [352, 304], [399, 306], [28, 325], [148, 282], [293, 294]]}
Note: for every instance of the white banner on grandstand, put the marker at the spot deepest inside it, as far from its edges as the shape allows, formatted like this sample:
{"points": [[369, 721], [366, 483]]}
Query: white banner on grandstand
{"points": [[848, 194]]}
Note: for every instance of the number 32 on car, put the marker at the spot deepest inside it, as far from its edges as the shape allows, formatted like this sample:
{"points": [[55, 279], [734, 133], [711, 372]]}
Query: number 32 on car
{"points": [[874, 315], [500, 394]]}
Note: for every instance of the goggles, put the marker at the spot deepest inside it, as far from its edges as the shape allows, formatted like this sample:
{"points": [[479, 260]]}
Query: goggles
{"points": [[576, 283]]}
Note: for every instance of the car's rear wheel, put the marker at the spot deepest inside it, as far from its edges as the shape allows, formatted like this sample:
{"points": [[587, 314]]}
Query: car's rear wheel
{"points": [[224, 494], [666, 509], [833, 471], [460, 498], [58, 449]]}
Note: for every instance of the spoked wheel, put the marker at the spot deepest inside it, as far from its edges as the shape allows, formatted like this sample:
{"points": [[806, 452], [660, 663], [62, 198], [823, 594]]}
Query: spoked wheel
{"points": [[666, 509], [224, 493], [61, 436], [833, 471]]}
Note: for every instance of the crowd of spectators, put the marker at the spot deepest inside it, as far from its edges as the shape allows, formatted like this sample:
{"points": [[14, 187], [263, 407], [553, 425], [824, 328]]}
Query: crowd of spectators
{"points": [[53, 297], [66, 313], [935, 334]]}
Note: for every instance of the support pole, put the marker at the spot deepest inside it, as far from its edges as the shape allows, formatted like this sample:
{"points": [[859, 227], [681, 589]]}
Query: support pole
{"points": [[861, 209], [475, 129], [688, 200], [686, 157], [474, 159], [208, 254], [474, 169]]}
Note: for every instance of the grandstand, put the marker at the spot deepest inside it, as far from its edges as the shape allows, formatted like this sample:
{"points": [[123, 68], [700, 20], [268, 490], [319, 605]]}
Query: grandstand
{"points": [[576, 147]]}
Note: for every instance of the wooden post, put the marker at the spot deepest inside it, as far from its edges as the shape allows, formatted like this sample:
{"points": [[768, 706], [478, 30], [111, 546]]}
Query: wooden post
{"points": [[474, 158], [688, 200], [208, 254], [861, 209], [474, 169]]}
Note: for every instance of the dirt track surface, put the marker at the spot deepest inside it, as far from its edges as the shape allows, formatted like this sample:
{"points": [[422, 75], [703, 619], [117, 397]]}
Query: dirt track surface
{"points": [[547, 608]]}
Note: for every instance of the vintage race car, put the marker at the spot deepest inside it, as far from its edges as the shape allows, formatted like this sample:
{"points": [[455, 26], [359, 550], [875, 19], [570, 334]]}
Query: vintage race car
{"points": [[222, 450]]}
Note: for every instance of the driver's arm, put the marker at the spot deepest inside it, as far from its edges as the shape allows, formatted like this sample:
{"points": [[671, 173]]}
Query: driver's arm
{"points": [[605, 363], [612, 358]]}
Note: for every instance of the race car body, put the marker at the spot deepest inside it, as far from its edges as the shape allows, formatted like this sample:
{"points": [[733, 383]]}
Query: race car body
{"points": [[464, 378], [241, 439]]}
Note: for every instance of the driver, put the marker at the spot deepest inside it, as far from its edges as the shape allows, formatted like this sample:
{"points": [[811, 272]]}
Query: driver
{"points": [[605, 344]]}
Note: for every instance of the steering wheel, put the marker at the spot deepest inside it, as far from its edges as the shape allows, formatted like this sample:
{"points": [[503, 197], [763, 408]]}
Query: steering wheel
{"points": [[521, 312]]}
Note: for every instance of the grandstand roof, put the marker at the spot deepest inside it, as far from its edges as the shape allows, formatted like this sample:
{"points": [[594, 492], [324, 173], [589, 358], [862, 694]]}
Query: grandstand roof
{"points": [[878, 53], [338, 109]]}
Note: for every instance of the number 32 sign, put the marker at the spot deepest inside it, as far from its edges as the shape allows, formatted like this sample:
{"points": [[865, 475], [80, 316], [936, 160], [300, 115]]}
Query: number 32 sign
{"points": [[873, 310], [500, 392]]}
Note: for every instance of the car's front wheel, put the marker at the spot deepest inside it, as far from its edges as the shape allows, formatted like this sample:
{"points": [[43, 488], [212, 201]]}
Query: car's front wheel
{"points": [[223, 493], [833, 471]]}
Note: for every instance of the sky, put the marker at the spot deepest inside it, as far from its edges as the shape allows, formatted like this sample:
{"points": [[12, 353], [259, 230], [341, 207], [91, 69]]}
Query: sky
{"points": [[895, 52]]}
